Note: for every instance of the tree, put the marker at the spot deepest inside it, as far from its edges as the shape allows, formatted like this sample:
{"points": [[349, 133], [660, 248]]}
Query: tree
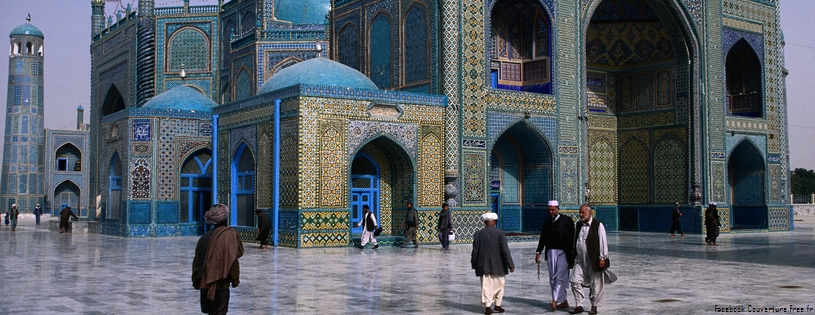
{"points": [[802, 181]]}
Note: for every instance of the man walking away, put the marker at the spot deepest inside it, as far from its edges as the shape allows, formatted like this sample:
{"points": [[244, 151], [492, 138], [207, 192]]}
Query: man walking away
{"points": [[491, 259], [675, 218], [215, 264], [13, 214], [556, 240], [264, 227], [411, 221]]}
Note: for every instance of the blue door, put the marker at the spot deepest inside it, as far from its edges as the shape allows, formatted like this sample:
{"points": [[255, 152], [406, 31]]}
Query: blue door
{"points": [[495, 206], [358, 199]]}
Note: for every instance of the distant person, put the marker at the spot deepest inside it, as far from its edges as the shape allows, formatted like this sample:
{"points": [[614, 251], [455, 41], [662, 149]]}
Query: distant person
{"points": [[216, 264], [712, 223], [368, 227], [5, 216], [444, 226], [64, 215], [411, 221], [491, 260], [675, 226], [556, 242], [13, 214], [264, 227], [37, 213]]}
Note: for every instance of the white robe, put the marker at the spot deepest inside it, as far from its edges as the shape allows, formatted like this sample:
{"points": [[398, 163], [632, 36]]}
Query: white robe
{"points": [[367, 236], [583, 274]]}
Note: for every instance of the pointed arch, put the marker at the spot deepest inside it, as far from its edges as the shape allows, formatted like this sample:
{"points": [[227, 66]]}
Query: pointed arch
{"points": [[188, 46], [116, 181], [113, 101], [347, 44], [195, 186], [243, 84], [747, 176], [744, 77], [243, 186], [380, 50]]}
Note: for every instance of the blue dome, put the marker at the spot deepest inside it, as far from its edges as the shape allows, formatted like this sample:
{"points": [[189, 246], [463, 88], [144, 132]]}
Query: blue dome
{"points": [[318, 71], [302, 11], [181, 97], [26, 29]]}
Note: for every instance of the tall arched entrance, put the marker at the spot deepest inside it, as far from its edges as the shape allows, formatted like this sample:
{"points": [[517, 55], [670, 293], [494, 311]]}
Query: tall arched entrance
{"points": [[745, 170], [640, 106], [115, 188], [196, 186], [243, 187], [521, 178], [382, 176], [67, 195]]}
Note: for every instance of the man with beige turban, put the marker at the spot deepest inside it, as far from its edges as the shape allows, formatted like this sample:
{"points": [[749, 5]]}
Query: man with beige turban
{"points": [[216, 265], [491, 259]]}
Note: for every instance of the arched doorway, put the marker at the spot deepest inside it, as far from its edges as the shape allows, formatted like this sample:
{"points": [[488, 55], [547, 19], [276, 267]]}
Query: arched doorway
{"points": [[196, 186], [640, 105], [68, 158], [745, 170], [521, 178], [115, 188], [243, 187], [382, 176], [67, 195]]}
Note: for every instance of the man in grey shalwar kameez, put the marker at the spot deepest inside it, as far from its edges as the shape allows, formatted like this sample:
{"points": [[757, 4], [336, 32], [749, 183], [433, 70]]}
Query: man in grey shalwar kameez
{"points": [[491, 260], [590, 252]]}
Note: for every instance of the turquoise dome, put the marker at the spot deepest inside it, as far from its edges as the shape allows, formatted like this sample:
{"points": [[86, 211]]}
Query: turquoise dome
{"points": [[302, 11], [181, 97], [26, 29], [318, 71]]}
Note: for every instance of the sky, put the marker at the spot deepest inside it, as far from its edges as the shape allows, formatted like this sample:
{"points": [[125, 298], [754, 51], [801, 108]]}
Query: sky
{"points": [[66, 26]]}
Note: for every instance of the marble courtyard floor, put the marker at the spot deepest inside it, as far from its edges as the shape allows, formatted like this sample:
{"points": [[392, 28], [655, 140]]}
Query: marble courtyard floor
{"points": [[45, 272]]}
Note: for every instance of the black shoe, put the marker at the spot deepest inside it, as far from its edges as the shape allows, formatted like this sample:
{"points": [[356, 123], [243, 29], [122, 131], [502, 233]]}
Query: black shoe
{"points": [[376, 246], [360, 246], [499, 309], [576, 310], [593, 310]]}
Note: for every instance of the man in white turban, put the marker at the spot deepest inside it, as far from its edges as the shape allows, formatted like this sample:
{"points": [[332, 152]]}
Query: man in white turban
{"points": [[491, 260], [555, 244]]}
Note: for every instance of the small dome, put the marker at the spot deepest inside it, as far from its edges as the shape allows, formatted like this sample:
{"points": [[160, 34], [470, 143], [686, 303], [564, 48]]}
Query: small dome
{"points": [[26, 29], [318, 71], [181, 97], [302, 11]]}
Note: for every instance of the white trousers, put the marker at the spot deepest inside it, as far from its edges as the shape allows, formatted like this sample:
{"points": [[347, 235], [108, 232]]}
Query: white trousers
{"points": [[367, 237], [492, 290], [558, 266], [583, 276]]}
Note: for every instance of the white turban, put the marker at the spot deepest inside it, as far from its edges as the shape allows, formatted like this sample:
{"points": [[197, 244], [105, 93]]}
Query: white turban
{"points": [[713, 203], [489, 216], [553, 203]]}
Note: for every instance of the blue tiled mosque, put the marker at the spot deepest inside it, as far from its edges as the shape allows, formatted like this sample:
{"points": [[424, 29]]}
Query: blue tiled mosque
{"points": [[308, 110]]}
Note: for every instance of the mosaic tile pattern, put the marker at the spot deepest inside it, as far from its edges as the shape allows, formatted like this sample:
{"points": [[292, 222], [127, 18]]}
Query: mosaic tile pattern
{"points": [[431, 177], [324, 239], [474, 177], [603, 172], [361, 131], [570, 186], [775, 183], [333, 191], [634, 180], [669, 171], [325, 220], [289, 155], [139, 213], [167, 213], [717, 179], [140, 179], [779, 219], [264, 166]]}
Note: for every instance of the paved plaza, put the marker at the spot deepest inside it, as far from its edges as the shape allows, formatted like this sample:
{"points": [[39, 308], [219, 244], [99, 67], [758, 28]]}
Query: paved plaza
{"points": [[45, 272]]}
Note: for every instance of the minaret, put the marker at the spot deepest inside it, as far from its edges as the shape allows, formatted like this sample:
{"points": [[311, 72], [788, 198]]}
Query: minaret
{"points": [[97, 17], [80, 118], [23, 144], [146, 40]]}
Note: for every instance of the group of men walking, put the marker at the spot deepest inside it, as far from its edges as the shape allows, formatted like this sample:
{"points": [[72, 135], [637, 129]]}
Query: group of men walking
{"points": [[583, 248]]}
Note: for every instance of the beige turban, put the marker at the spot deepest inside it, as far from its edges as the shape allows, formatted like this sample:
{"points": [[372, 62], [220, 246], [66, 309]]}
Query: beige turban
{"points": [[216, 214], [489, 216]]}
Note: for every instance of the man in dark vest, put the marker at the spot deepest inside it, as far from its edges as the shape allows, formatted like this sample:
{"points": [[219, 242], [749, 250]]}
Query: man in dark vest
{"points": [[590, 251], [556, 241], [368, 227]]}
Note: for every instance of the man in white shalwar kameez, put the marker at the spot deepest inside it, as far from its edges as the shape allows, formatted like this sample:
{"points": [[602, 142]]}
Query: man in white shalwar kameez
{"points": [[555, 244], [591, 250], [368, 227]]}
